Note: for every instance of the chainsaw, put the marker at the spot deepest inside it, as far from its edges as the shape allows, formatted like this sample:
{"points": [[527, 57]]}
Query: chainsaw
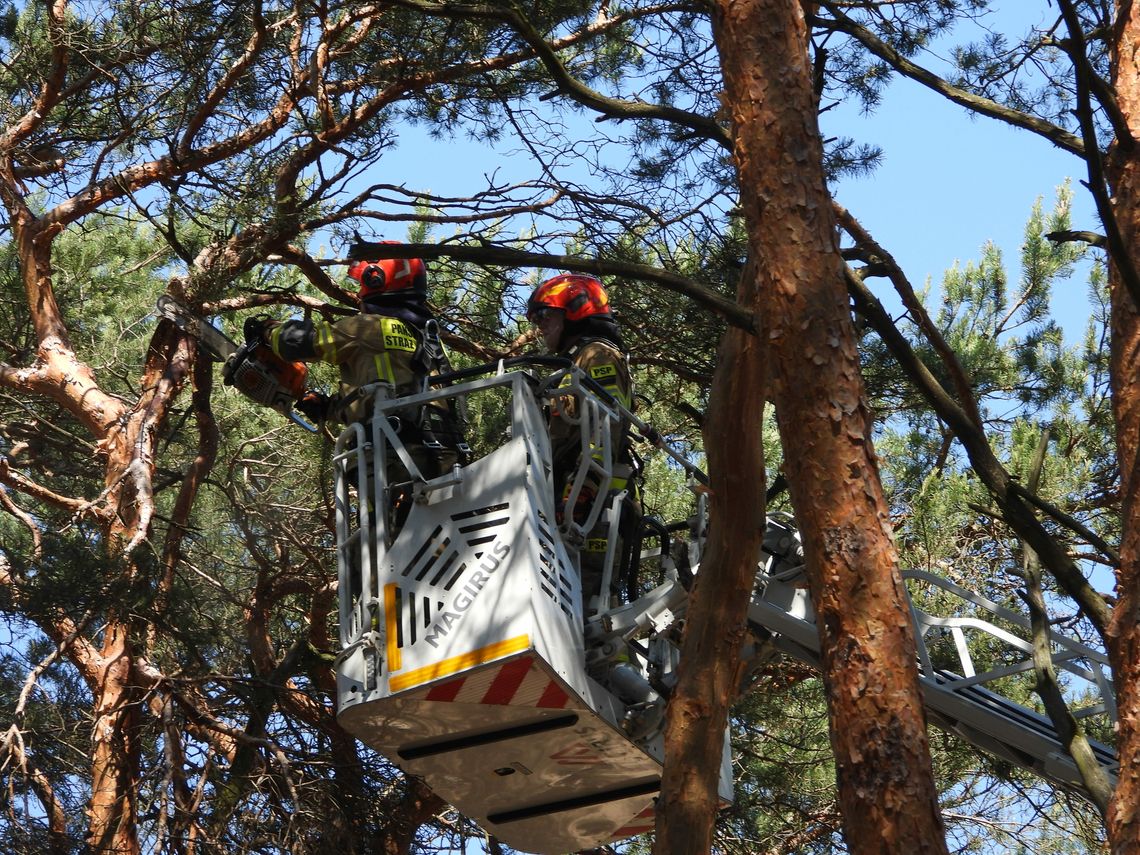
{"points": [[252, 368]]}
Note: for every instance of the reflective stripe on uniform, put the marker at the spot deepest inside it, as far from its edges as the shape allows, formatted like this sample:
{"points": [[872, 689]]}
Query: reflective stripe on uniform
{"points": [[384, 371], [607, 377], [323, 342]]}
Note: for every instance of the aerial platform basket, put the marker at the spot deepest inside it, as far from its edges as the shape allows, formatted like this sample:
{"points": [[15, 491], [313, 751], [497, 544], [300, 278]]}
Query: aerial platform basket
{"points": [[463, 658]]}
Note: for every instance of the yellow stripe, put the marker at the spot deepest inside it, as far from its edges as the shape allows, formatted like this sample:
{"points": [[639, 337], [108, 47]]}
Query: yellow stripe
{"points": [[327, 343], [382, 363], [390, 618], [455, 664]]}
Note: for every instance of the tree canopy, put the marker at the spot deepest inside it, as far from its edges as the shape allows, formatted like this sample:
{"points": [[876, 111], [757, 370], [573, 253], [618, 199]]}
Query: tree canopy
{"points": [[166, 547]]}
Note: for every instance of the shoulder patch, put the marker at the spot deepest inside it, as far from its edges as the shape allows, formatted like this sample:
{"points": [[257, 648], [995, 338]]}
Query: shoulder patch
{"points": [[607, 370]]}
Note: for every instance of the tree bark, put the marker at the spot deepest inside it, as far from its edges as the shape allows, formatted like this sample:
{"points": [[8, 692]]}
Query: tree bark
{"points": [[878, 729], [716, 620], [1123, 173], [113, 823]]}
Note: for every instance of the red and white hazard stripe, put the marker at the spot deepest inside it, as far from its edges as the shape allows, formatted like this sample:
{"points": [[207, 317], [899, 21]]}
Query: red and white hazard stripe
{"points": [[643, 822], [518, 682]]}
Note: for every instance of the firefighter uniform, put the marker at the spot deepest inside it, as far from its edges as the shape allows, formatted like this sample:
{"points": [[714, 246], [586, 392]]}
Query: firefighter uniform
{"points": [[603, 362], [572, 313], [606, 365], [368, 348]]}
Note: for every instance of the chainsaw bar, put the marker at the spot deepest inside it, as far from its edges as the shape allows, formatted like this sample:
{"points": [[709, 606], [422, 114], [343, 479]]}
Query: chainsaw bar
{"points": [[219, 345], [249, 375]]}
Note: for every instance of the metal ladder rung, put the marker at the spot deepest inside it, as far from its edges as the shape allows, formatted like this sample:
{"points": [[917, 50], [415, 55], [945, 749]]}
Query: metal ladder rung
{"points": [[352, 452]]}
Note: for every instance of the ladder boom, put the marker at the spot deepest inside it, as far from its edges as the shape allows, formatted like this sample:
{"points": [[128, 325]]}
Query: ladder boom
{"points": [[985, 704]]}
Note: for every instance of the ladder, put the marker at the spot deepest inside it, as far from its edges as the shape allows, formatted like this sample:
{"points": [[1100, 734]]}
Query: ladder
{"points": [[983, 703]]}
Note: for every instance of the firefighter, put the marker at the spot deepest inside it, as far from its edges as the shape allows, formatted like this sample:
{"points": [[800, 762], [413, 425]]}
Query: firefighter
{"points": [[394, 341], [572, 313]]}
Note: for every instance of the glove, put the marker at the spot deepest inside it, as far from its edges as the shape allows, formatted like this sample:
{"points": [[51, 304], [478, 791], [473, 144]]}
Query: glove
{"points": [[257, 328], [228, 370], [314, 406]]}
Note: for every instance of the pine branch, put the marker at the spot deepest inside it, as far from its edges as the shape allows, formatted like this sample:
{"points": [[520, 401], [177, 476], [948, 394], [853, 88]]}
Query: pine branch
{"points": [[1072, 235], [1014, 510], [728, 310], [975, 103], [1072, 523], [883, 260], [568, 85], [1047, 687]]}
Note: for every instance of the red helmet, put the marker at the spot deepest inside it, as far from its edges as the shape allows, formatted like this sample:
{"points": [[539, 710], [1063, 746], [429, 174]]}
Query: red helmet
{"points": [[578, 295], [390, 276]]}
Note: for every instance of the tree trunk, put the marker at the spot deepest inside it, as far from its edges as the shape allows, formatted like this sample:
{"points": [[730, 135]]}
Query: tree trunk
{"points": [[878, 729], [112, 811], [715, 623], [1124, 631], [113, 817], [114, 756]]}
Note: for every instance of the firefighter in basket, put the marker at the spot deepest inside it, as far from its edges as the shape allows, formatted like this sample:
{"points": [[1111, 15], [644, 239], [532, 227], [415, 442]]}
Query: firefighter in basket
{"points": [[572, 313], [394, 340]]}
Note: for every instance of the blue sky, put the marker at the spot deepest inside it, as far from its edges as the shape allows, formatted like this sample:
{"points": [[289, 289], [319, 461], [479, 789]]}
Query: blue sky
{"points": [[947, 184]]}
